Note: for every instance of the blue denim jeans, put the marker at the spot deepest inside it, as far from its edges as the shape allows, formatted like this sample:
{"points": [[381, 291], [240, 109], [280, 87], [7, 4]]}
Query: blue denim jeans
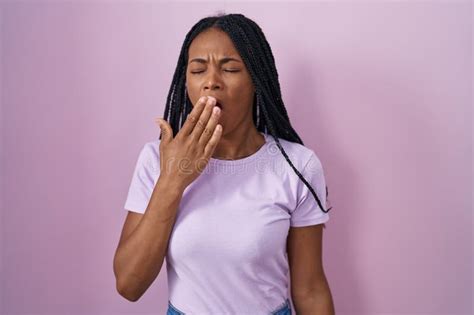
{"points": [[283, 310]]}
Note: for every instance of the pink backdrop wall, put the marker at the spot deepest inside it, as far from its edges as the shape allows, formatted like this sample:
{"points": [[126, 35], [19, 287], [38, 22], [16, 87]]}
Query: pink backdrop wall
{"points": [[381, 90]]}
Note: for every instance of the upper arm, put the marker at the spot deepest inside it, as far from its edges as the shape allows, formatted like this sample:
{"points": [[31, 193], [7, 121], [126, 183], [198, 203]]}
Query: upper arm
{"points": [[304, 246], [308, 211], [144, 178], [131, 222]]}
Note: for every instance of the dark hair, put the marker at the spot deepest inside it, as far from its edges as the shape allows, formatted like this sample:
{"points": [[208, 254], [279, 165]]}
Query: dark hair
{"points": [[269, 111]]}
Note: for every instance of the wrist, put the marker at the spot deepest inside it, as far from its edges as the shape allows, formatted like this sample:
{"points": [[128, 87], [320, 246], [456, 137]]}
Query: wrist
{"points": [[170, 183]]}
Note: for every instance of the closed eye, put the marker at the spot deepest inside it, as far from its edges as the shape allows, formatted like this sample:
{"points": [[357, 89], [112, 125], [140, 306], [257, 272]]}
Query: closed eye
{"points": [[197, 72]]}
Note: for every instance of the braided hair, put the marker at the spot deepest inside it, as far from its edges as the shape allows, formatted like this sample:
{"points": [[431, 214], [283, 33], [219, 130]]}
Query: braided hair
{"points": [[269, 112]]}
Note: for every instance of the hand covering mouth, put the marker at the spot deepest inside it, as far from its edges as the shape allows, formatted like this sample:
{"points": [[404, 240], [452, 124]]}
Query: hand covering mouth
{"points": [[218, 102]]}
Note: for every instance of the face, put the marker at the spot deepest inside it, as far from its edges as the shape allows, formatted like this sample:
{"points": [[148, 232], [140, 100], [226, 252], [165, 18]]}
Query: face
{"points": [[216, 69]]}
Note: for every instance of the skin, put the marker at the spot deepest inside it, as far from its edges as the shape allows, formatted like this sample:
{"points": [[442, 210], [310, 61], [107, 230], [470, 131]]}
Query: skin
{"points": [[310, 290], [210, 77]]}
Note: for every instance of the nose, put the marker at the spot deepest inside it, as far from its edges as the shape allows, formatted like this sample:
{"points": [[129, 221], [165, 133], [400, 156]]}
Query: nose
{"points": [[212, 81]]}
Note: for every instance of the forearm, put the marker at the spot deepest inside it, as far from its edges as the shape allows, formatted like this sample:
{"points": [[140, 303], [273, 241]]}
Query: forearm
{"points": [[139, 258], [316, 302]]}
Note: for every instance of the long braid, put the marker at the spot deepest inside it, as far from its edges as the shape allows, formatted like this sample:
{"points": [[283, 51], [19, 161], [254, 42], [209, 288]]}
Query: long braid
{"points": [[269, 111]]}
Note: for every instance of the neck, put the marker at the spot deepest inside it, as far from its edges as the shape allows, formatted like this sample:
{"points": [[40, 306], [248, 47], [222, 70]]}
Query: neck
{"points": [[239, 143]]}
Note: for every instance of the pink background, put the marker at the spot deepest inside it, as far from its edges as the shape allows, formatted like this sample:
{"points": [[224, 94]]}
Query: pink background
{"points": [[381, 90]]}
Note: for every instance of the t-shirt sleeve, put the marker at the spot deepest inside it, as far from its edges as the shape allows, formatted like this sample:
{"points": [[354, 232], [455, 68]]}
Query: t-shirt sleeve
{"points": [[307, 211], [143, 180]]}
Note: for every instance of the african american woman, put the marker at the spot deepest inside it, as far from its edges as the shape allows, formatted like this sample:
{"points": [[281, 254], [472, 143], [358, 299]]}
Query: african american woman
{"points": [[228, 194]]}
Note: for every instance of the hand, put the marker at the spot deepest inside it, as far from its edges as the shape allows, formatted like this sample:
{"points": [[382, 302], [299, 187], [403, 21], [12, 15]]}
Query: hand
{"points": [[184, 157]]}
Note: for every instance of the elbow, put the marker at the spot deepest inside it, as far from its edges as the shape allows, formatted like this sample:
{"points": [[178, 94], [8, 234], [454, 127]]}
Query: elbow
{"points": [[127, 292], [123, 286]]}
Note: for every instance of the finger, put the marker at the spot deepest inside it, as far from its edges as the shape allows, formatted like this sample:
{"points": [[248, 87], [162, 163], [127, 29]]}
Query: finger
{"points": [[211, 145], [211, 125], [166, 130], [192, 117], [203, 119]]}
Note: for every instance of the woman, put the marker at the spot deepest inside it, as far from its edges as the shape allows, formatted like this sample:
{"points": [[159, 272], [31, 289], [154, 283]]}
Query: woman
{"points": [[227, 194]]}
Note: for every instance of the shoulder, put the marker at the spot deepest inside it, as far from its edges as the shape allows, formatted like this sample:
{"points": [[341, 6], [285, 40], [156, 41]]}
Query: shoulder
{"points": [[150, 155], [152, 147], [300, 155]]}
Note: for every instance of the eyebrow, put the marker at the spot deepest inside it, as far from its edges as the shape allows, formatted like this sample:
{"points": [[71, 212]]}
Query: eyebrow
{"points": [[222, 61]]}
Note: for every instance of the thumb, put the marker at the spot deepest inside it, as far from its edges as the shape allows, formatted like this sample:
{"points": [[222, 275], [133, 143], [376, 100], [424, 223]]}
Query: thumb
{"points": [[166, 131]]}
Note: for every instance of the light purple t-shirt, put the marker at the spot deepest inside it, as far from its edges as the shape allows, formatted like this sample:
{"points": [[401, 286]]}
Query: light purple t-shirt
{"points": [[227, 250]]}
